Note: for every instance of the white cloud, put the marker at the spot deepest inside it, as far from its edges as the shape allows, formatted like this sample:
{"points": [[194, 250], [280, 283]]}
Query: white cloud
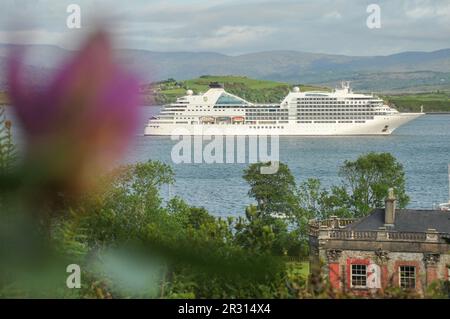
{"points": [[33, 36], [235, 35], [333, 15], [236, 26], [420, 9]]}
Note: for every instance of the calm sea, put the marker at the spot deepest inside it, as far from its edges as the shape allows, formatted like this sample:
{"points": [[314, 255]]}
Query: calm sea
{"points": [[422, 146]]}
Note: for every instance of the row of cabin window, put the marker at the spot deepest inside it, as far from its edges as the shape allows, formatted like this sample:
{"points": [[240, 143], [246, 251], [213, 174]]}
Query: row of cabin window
{"points": [[327, 98], [343, 112], [337, 109], [337, 103], [268, 127], [335, 117], [267, 118], [340, 114], [330, 122], [267, 112]]}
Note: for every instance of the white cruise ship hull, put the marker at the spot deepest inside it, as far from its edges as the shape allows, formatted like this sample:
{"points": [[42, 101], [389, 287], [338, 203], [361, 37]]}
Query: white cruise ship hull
{"points": [[380, 125]]}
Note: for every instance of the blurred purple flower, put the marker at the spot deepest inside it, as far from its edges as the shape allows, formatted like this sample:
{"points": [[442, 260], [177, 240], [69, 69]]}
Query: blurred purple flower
{"points": [[83, 119]]}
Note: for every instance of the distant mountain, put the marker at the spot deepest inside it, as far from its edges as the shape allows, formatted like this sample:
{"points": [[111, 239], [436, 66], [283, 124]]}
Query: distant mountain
{"points": [[35, 75], [407, 71]]}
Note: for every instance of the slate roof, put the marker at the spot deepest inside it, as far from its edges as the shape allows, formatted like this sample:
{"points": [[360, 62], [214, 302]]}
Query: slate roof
{"points": [[406, 220]]}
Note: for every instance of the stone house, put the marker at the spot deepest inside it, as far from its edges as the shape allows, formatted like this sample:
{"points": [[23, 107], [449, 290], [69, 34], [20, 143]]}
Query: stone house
{"points": [[389, 248]]}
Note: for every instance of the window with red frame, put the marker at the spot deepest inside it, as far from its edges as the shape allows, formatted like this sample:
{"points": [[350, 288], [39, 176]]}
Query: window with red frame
{"points": [[407, 277], [359, 276]]}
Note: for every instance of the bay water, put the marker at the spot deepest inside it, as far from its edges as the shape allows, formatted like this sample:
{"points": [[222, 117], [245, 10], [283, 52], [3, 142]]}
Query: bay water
{"points": [[422, 146]]}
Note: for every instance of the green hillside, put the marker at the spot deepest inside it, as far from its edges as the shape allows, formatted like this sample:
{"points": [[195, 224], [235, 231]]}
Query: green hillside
{"points": [[260, 91], [432, 101], [263, 91]]}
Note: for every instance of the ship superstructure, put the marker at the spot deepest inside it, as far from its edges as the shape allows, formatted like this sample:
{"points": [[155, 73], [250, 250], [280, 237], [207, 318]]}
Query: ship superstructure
{"points": [[340, 112]]}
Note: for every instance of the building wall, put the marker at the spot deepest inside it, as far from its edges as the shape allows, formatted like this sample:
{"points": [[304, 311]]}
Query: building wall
{"points": [[444, 265], [382, 268]]}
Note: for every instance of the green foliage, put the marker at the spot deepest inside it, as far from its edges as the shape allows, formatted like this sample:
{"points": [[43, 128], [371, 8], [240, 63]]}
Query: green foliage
{"points": [[317, 202], [201, 254], [8, 158], [256, 231], [208, 257], [126, 202], [263, 91], [364, 186], [368, 179], [266, 226], [8, 153], [431, 101], [438, 289], [259, 91], [274, 193]]}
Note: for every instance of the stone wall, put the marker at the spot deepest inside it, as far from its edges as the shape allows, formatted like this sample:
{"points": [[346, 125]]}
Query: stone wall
{"points": [[382, 267], [335, 248]]}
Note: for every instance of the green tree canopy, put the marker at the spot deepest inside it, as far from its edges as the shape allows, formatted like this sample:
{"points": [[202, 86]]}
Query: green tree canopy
{"points": [[318, 202], [368, 178], [274, 193], [265, 226], [8, 154]]}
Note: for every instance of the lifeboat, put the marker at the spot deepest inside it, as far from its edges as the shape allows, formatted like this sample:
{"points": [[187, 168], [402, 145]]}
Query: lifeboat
{"points": [[207, 120], [238, 119], [223, 119]]}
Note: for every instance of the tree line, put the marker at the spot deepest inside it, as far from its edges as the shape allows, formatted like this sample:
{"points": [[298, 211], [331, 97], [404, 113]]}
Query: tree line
{"points": [[203, 256]]}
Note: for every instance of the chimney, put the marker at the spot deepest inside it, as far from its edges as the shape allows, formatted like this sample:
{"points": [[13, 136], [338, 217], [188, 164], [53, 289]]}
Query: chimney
{"points": [[389, 208]]}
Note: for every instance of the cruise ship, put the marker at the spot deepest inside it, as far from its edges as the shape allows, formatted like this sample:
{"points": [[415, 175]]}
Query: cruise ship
{"points": [[340, 112]]}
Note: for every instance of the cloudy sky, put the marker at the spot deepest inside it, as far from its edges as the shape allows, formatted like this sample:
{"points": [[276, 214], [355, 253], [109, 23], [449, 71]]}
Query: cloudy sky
{"points": [[237, 26]]}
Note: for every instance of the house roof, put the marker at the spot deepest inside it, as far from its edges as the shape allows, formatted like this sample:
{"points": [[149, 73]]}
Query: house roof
{"points": [[406, 220]]}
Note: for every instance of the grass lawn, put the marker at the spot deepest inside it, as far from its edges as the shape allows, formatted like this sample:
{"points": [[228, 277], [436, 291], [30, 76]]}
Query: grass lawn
{"points": [[203, 82], [299, 269]]}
